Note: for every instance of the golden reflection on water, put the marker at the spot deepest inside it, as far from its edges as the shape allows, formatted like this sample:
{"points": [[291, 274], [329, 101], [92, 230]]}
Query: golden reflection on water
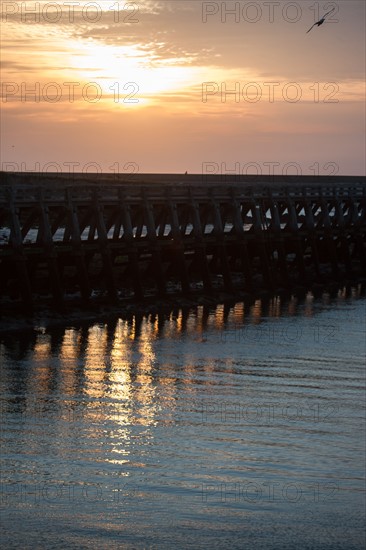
{"points": [[127, 371], [292, 306], [145, 388], [119, 361], [275, 307], [309, 305], [239, 312], [256, 312], [121, 358], [95, 361], [70, 351], [219, 317], [41, 376], [70, 346]]}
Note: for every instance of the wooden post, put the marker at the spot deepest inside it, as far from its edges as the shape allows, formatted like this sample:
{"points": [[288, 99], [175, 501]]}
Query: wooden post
{"points": [[328, 235], [104, 246], [50, 251], [78, 251], [200, 248], [275, 229], [178, 244], [240, 233], [294, 229], [20, 260], [220, 245], [131, 250], [261, 243], [155, 247]]}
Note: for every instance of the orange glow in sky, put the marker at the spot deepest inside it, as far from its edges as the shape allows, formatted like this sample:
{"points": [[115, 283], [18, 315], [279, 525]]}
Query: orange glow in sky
{"points": [[172, 85]]}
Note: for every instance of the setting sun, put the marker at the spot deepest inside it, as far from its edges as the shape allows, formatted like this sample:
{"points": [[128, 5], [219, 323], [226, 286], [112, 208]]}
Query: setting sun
{"points": [[127, 73]]}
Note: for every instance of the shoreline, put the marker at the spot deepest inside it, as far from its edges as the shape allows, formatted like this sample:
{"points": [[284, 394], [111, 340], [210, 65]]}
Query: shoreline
{"points": [[44, 317]]}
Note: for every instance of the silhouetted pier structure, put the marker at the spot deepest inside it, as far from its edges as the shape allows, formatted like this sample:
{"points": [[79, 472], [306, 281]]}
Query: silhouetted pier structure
{"points": [[73, 235]]}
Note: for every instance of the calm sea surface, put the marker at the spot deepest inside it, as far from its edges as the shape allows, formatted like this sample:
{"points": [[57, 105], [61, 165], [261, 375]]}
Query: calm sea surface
{"points": [[229, 427]]}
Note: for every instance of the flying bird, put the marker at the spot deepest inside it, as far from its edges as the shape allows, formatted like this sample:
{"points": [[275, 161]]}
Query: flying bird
{"points": [[321, 21]]}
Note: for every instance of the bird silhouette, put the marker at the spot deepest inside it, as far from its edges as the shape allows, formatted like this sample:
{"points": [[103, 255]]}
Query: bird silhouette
{"points": [[321, 21]]}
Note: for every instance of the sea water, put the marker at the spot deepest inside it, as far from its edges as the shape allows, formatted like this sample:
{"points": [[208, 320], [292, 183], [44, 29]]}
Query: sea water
{"points": [[232, 427]]}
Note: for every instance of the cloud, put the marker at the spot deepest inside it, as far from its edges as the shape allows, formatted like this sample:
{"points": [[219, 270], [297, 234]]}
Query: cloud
{"points": [[173, 32], [169, 52]]}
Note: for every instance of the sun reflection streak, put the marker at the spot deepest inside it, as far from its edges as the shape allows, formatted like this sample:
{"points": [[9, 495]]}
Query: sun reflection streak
{"points": [[41, 371], [145, 386], [95, 361], [275, 307], [256, 312], [239, 312], [309, 304], [219, 317], [70, 346], [292, 305], [69, 359], [121, 359]]}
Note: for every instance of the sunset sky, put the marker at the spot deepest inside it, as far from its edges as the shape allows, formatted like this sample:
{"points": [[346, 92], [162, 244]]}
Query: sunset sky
{"points": [[141, 86]]}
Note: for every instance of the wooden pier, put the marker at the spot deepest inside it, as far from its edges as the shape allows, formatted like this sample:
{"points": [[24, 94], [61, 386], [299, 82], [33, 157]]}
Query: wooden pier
{"points": [[65, 236]]}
